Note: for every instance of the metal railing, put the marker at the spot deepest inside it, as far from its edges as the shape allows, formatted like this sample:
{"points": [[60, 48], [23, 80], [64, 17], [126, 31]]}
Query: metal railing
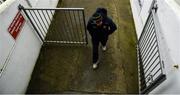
{"points": [[58, 25], [150, 62]]}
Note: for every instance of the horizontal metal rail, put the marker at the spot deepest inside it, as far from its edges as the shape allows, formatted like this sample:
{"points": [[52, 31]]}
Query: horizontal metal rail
{"points": [[70, 9]]}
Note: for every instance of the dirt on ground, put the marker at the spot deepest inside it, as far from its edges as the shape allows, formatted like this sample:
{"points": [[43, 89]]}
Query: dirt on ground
{"points": [[68, 69]]}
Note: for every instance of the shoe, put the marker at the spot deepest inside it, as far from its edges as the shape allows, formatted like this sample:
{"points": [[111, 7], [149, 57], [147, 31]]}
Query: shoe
{"points": [[104, 48], [95, 65]]}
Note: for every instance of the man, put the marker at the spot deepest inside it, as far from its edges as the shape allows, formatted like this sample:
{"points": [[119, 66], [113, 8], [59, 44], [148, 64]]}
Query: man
{"points": [[100, 26]]}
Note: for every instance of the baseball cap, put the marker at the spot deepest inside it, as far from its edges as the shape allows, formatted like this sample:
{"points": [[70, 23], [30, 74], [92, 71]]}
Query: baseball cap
{"points": [[97, 17]]}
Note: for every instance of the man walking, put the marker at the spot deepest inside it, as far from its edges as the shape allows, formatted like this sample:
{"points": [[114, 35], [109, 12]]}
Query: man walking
{"points": [[100, 26]]}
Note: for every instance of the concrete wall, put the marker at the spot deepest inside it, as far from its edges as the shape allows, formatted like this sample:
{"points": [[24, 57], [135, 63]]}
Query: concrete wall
{"points": [[169, 18], [168, 15], [137, 19], [43, 3], [140, 14], [18, 56], [178, 1]]}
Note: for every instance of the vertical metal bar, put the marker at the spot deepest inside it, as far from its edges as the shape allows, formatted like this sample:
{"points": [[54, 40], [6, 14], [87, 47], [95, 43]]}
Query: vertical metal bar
{"points": [[157, 71], [149, 43], [146, 57], [49, 24], [73, 23], [69, 23], [80, 25], [42, 21], [39, 22], [45, 18], [52, 26], [146, 33], [147, 26], [147, 53], [52, 13], [54, 23], [154, 67], [38, 32], [151, 58], [143, 82], [64, 25], [48, 17], [86, 39], [58, 17], [148, 61], [150, 33], [146, 70], [77, 33], [73, 36]]}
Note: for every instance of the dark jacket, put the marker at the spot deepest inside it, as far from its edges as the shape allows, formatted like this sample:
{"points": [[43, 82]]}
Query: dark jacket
{"points": [[107, 28]]}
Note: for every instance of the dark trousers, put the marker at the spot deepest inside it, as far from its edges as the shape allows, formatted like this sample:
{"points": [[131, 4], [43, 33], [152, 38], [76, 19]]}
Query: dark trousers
{"points": [[95, 43]]}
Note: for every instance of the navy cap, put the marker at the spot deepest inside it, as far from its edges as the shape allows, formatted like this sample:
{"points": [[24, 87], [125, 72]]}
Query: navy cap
{"points": [[102, 11], [97, 17]]}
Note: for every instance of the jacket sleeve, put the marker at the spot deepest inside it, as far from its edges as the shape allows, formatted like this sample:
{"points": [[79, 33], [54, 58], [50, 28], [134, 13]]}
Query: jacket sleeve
{"points": [[89, 27], [112, 26]]}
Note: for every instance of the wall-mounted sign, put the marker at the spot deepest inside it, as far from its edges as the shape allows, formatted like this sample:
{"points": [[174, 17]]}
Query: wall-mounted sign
{"points": [[16, 25]]}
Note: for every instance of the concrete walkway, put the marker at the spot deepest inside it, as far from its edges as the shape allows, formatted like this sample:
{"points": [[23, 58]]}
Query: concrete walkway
{"points": [[68, 69]]}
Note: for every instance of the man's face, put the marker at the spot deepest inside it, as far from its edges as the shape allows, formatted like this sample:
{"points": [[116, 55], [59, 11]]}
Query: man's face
{"points": [[99, 22]]}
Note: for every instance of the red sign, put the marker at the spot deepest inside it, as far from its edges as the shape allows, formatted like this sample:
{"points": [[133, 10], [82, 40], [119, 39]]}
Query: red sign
{"points": [[16, 25]]}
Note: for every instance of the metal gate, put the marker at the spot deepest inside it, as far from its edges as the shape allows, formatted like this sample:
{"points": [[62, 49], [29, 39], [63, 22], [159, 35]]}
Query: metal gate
{"points": [[149, 56], [58, 25]]}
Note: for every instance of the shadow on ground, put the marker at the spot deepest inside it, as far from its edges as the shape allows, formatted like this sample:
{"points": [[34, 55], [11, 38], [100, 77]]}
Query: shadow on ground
{"points": [[68, 69]]}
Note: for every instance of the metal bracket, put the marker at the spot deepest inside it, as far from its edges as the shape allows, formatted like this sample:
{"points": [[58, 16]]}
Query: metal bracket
{"points": [[20, 7], [154, 6], [176, 66]]}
